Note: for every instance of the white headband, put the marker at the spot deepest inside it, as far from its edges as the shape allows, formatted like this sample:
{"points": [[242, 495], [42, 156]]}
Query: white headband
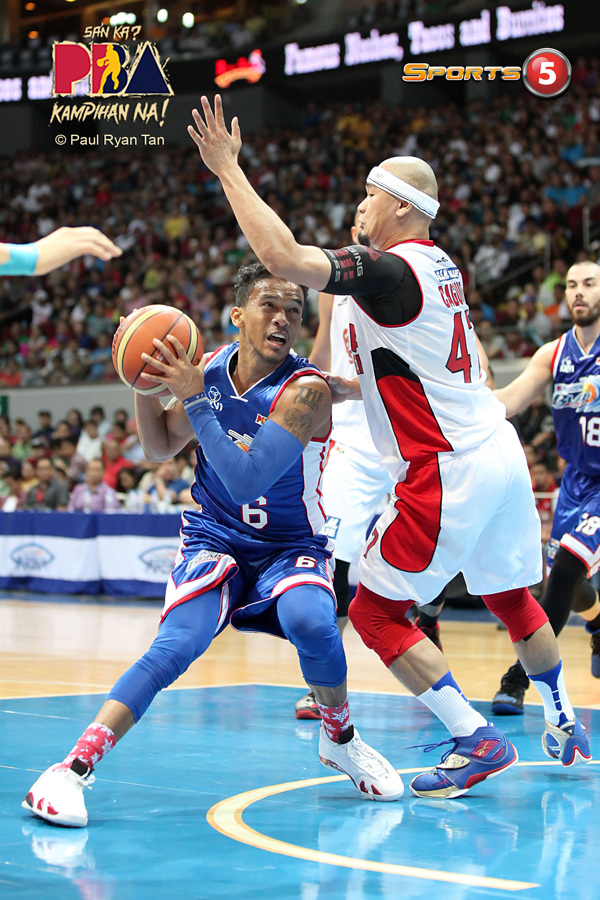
{"points": [[395, 186]]}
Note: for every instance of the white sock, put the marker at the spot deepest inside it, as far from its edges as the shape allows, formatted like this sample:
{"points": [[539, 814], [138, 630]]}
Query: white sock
{"points": [[446, 700], [551, 688]]}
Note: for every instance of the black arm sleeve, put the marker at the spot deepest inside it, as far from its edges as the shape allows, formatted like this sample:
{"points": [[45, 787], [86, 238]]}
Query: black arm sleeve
{"points": [[382, 284]]}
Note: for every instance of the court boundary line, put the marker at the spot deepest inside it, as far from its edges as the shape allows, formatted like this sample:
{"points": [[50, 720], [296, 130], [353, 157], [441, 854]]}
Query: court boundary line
{"points": [[299, 687], [226, 817]]}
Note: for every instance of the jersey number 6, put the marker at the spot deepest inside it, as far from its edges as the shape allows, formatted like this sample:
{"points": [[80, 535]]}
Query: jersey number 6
{"points": [[257, 518]]}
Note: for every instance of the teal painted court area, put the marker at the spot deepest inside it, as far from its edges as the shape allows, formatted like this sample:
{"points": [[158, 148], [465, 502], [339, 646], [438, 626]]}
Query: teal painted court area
{"points": [[531, 832]]}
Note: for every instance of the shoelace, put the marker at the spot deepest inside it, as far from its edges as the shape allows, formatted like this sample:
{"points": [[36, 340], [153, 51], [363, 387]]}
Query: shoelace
{"points": [[427, 748], [361, 750], [86, 781]]}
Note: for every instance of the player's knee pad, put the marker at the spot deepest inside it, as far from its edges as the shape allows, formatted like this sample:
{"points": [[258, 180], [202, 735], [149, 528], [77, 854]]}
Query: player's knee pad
{"points": [[383, 625], [519, 610]]}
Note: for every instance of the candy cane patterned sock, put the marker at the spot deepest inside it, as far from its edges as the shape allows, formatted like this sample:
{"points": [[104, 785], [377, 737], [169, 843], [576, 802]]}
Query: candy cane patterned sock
{"points": [[92, 746], [336, 722]]}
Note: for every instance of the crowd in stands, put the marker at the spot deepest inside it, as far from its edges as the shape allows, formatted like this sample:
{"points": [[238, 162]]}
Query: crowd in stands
{"points": [[514, 178], [93, 464], [88, 465]]}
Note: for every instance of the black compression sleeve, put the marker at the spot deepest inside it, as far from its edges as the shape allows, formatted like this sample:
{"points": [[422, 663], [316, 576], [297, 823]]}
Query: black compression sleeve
{"points": [[382, 284]]}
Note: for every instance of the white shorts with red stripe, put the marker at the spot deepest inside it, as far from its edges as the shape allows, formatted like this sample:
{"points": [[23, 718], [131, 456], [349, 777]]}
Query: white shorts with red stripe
{"points": [[474, 513], [355, 488]]}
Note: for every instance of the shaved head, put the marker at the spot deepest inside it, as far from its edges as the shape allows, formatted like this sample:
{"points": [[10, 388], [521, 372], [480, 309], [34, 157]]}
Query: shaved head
{"points": [[414, 171]]}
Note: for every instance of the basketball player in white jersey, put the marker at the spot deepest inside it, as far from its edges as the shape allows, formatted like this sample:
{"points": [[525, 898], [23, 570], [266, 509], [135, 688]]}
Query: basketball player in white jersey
{"points": [[466, 503], [355, 486]]}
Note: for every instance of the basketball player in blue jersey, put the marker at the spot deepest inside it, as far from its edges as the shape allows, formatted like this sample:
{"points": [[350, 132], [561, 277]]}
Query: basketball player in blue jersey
{"points": [[252, 555], [572, 365], [428, 406], [55, 250]]}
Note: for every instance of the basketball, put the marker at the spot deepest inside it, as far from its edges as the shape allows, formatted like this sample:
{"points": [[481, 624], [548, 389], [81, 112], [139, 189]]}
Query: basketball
{"points": [[135, 335]]}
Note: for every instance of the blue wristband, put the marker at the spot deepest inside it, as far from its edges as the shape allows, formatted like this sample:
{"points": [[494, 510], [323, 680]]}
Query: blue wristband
{"points": [[22, 260], [195, 401]]}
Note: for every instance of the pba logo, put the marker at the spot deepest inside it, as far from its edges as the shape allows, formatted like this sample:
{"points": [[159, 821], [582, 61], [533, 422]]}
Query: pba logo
{"points": [[109, 70]]}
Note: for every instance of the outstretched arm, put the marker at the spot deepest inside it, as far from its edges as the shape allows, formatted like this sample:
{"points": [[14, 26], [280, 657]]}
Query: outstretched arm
{"points": [[517, 395], [269, 237], [54, 250]]}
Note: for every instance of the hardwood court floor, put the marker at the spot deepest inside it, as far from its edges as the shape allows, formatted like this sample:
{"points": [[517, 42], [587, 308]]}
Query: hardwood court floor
{"points": [[83, 647], [219, 793]]}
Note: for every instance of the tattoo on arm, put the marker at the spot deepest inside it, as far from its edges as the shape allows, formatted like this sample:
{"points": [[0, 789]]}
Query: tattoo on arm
{"points": [[309, 397], [299, 424]]}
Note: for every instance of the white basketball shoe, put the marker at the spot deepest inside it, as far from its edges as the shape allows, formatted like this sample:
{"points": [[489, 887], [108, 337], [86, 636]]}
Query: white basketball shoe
{"points": [[57, 796], [372, 774]]}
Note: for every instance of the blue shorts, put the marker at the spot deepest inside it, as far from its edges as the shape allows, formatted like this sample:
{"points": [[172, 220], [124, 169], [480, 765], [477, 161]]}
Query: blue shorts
{"points": [[251, 572], [576, 524]]}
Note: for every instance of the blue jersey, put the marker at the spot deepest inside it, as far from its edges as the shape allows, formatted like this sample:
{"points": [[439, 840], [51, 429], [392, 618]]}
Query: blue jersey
{"points": [[292, 507], [576, 403]]}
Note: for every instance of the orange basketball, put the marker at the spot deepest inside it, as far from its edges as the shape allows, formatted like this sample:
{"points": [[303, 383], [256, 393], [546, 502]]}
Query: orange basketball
{"points": [[134, 336]]}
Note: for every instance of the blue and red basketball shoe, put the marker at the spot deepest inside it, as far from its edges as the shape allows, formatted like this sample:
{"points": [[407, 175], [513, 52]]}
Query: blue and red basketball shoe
{"points": [[567, 742], [471, 759]]}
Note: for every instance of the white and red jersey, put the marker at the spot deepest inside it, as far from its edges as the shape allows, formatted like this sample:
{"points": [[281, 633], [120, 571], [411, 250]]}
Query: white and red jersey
{"points": [[415, 352], [350, 425]]}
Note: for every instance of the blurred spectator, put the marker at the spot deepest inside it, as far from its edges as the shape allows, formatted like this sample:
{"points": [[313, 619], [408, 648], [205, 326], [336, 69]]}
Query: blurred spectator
{"points": [[114, 461], [93, 495], [97, 416], [75, 422], [557, 275], [543, 483], [89, 445], [533, 324], [132, 448], [492, 258], [50, 492], [165, 486], [535, 426], [493, 344], [45, 428], [15, 497], [69, 461], [131, 499], [62, 431], [21, 448], [516, 345], [100, 359], [28, 475], [7, 460]]}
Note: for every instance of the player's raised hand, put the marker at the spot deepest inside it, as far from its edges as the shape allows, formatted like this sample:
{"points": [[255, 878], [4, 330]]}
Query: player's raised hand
{"points": [[66, 244], [174, 368], [218, 147]]}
